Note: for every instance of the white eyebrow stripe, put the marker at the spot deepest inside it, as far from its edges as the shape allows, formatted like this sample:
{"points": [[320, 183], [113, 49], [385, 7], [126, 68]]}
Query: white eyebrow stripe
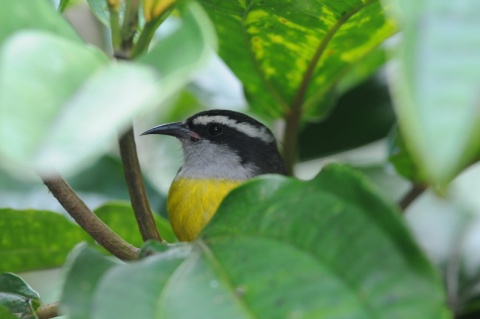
{"points": [[246, 128]]}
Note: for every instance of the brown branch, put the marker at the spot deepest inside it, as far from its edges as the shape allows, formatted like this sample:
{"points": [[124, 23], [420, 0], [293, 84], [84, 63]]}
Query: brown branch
{"points": [[47, 311], [412, 194], [294, 115], [93, 225], [128, 150], [136, 187]]}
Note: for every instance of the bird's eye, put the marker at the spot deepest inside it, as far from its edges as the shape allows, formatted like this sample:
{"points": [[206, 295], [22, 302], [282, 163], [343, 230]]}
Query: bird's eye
{"points": [[214, 129]]}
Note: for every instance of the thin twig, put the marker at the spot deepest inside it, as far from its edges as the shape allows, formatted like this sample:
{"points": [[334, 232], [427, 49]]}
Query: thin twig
{"points": [[136, 187], [128, 150], [93, 225], [411, 195], [47, 311], [295, 113]]}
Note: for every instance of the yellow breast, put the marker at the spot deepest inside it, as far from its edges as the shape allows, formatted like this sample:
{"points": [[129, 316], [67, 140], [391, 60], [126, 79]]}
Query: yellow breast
{"points": [[192, 202]]}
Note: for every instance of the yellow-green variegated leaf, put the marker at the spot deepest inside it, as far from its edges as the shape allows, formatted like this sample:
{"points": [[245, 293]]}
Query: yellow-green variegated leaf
{"points": [[294, 52]]}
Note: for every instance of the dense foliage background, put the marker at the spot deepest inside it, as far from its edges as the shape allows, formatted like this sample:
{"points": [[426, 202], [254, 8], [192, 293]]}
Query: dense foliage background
{"points": [[386, 90]]}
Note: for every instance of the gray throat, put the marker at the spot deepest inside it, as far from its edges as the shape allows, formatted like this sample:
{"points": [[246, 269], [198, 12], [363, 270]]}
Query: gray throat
{"points": [[205, 160]]}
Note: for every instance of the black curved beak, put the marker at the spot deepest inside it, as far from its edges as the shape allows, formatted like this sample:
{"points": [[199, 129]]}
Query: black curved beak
{"points": [[176, 129]]}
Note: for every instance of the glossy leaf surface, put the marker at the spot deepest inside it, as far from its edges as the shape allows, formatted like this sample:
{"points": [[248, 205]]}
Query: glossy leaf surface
{"points": [[77, 293], [280, 48], [362, 115], [278, 247]]}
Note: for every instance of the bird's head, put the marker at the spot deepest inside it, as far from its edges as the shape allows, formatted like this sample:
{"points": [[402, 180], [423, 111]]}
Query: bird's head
{"points": [[224, 144]]}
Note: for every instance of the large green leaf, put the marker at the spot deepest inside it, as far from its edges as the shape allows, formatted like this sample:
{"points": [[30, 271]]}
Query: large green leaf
{"points": [[62, 105], [273, 45], [80, 304], [360, 116], [5, 313], [77, 294], [280, 248], [75, 101], [39, 73], [436, 83], [33, 239], [36, 239], [18, 296], [18, 15]]}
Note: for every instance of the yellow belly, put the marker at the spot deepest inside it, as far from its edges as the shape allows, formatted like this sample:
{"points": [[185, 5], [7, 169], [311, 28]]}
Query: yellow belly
{"points": [[192, 202]]}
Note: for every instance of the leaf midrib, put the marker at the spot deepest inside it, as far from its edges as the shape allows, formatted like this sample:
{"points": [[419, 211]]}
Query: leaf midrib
{"points": [[352, 287], [306, 79]]}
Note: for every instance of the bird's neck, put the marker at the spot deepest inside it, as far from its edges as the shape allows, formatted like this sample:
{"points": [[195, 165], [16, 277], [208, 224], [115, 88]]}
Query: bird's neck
{"points": [[205, 160]]}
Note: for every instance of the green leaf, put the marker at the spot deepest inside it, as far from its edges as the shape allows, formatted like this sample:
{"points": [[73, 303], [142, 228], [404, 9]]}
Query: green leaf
{"points": [[71, 87], [121, 218], [86, 267], [272, 46], [42, 239], [18, 296], [36, 239], [280, 248], [357, 240], [363, 70], [21, 15], [436, 84], [39, 73], [77, 88], [140, 274], [5, 313], [360, 116]]}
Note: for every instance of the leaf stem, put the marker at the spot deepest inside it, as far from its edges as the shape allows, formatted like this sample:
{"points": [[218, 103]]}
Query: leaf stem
{"points": [[130, 26], [136, 187], [114, 24], [148, 31], [93, 225], [47, 311], [294, 115], [415, 191]]}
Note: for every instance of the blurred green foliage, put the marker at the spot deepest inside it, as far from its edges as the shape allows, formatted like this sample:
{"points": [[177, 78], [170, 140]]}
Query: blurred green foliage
{"points": [[278, 247]]}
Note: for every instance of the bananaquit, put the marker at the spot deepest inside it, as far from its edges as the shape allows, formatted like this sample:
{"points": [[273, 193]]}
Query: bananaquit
{"points": [[221, 149]]}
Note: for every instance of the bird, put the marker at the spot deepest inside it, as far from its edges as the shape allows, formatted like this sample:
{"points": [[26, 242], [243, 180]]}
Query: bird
{"points": [[221, 150]]}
